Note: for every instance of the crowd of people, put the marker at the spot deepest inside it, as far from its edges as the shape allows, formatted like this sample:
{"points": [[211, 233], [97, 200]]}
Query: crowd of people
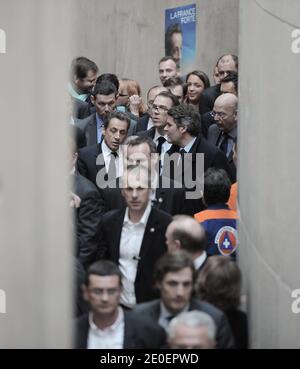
{"points": [[154, 197]]}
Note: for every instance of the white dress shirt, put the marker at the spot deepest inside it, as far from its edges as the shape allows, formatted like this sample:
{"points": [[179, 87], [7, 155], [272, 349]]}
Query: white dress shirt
{"points": [[200, 260], [111, 337], [130, 245], [107, 156], [150, 123]]}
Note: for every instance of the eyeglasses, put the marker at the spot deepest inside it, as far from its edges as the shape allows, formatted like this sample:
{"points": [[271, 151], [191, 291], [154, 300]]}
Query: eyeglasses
{"points": [[159, 108], [221, 115], [100, 291]]}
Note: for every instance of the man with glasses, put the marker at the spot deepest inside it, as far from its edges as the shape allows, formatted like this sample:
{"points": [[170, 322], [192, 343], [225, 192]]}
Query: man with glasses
{"points": [[223, 134], [146, 122], [161, 105], [108, 326]]}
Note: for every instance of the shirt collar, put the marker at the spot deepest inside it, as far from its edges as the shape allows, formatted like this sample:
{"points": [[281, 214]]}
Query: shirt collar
{"points": [[113, 327], [188, 147], [157, 135], [106, 151], [75, 94], [144, 218], [99, 120], [165, 313], [200, 260]]}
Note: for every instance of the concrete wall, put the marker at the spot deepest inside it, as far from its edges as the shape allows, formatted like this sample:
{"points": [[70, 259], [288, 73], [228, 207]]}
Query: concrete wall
{"points": [[35, 247], [127, 37], [269, 176]]}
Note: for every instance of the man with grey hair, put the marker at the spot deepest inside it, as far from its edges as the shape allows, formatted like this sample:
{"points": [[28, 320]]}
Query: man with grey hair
{"points": [[192, 330]]}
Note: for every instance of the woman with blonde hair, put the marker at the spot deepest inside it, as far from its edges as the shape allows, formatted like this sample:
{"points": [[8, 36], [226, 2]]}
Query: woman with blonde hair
{"points": [[130, 97]]}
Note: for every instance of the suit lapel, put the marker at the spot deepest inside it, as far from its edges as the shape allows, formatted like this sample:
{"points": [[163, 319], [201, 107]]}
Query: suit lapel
{"points": [[129, 332], [91, 131], [116, 232], [149, 235]]}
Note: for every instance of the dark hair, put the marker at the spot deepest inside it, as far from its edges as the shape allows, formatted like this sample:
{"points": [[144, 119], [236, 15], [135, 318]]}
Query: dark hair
{"points": [[188, 240], [172, 262], [216, 186], [139, 140], [104, 88], [166, 58], [185, 116], [118, 115], [103, 268], [173, 28], [81, 66], [219, 283], [168, 94], [109, 77], [232, 76], [173, 81], [201, 75]]}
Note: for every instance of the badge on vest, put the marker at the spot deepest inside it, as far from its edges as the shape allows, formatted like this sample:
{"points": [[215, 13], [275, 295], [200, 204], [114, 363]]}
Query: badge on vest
{"points": [[226, 240]]}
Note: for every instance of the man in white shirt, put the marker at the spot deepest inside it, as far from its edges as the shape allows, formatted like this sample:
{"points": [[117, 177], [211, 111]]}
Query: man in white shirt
{"points": [[134, 238], [108, 326], [184, 233], [103, 163]]}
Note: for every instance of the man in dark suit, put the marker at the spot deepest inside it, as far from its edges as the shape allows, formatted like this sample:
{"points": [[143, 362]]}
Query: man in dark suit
{"points": [[185, 233], [162, 103], [134, 237], [146, 122], [174, 276], [142, 151], [103, 162], [225, 64], [104, 97], [88, 213], [182, 129], [108, 326], [223, 134]]}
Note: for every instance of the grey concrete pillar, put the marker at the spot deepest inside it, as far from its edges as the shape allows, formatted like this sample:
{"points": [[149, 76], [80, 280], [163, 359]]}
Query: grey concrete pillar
{"points": [[269, 175], [35, 246]]}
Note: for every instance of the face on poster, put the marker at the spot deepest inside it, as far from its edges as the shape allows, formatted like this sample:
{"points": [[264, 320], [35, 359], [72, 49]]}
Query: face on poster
{"points": [[180, 36]]}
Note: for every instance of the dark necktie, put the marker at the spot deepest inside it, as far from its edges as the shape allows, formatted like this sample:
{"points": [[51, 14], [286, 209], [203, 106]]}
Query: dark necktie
{"points": [[223, 142], [161, 140], [112, 172]]}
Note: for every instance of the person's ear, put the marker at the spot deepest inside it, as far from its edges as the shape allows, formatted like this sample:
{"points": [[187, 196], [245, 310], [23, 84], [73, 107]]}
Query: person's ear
{"points": [[93, 99], [177, 245]]}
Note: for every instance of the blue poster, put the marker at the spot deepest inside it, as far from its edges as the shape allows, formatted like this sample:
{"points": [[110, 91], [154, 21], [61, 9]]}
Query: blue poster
{"points": [[180, 36]]}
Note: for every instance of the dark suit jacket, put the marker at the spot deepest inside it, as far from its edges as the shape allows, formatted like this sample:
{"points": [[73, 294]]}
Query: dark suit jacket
{"points": [[171, 200], [143, 123], [212, 156], [86, 163], [213, 136], [78, 136], [88, 217], [152, 248], [89, 126], [209, 97], [224, 336], [138, 333], [206, 121], [81, 109]]}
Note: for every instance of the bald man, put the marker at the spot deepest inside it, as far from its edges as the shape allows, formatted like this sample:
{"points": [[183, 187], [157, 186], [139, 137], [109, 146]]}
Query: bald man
{"points": [[185, 233], [226, 63], [223, 134]]}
